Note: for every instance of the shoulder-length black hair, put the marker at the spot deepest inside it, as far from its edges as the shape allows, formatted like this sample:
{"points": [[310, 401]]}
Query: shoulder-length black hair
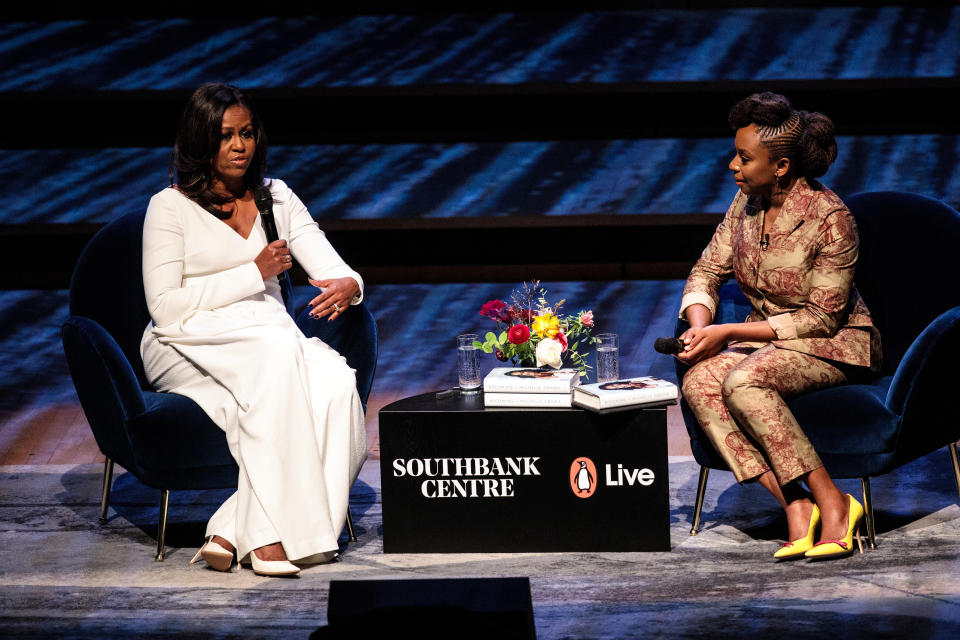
{"points": [[198, 142]]}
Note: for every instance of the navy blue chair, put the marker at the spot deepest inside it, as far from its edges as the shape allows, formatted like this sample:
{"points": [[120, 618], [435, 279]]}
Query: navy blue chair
{"points": [[907, 275], [165, 440]]}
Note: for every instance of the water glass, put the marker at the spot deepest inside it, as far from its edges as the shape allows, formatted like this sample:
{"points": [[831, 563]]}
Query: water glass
{"points": [[468, 363], [608, 357]]}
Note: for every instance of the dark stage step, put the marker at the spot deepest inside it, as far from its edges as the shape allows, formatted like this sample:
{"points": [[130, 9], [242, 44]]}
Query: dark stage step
{"points": [[488, 76], [482, 113]]}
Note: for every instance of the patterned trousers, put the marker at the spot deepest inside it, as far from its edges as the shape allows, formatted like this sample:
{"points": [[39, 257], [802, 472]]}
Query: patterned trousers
{"points": [[738, 397]]}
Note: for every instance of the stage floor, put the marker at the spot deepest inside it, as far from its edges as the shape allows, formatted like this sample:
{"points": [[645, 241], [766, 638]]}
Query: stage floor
{"points": [[66, 576]]}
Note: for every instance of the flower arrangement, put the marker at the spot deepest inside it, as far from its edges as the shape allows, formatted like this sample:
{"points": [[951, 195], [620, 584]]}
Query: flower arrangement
{"points": [[533, 333]]}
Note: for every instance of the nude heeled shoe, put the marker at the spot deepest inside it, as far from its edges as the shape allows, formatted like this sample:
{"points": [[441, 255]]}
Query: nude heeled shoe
{"points": [[319, 558], [272, 567], [798, 548], [214, 555], [827, 549]]}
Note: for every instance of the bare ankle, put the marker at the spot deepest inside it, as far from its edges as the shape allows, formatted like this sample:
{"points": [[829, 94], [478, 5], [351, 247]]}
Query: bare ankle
{"points": [[834, 512], [271, 552], [223, 543], [799, 514]]}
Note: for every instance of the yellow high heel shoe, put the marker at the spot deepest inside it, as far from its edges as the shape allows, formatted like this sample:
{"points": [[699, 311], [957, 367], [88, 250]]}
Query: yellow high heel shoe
{"points": [[826, 549], [797, 548], [214, 555]]}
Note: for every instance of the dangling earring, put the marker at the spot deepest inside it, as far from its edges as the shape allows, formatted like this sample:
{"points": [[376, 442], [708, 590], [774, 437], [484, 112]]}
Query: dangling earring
{"points": [[776, 180]]}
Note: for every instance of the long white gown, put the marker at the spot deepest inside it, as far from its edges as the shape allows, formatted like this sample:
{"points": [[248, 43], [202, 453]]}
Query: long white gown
{"points": [[220, 335]]}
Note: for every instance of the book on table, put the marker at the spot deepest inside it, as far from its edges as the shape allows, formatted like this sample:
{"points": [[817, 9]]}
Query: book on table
{"points": [[529, 380], [529, 387], [545, 400], [629, 392]]}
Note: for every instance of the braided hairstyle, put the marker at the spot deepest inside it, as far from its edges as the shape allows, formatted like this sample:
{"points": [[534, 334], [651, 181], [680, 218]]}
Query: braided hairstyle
{"points": [[198, 143], [805, 138]]}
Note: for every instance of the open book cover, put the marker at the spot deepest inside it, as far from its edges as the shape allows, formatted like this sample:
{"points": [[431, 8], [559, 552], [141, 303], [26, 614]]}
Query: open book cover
{"points": [[528, 380], [622, 393]]}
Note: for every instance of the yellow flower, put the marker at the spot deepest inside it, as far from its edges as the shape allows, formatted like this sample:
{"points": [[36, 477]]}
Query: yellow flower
{"points": [[546, 325]]}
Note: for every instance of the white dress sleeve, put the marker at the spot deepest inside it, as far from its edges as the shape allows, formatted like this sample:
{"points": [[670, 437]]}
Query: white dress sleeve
{"points": [[308, 244], [164, 250]]}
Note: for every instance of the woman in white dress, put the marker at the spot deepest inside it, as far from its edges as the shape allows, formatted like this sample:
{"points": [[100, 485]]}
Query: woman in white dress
{"points": [[220, 334]]}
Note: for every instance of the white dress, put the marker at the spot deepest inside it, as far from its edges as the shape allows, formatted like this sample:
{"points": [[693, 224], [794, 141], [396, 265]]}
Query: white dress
{"points": [[221, 335]]}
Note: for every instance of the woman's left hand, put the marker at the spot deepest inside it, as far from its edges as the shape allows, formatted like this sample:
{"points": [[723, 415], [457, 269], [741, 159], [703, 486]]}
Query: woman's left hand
{"points": [[335, 299]]}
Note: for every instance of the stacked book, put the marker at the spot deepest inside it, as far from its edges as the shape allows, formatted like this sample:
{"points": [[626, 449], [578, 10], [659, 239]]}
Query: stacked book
{"points": [[513, 387], [625, 394]]}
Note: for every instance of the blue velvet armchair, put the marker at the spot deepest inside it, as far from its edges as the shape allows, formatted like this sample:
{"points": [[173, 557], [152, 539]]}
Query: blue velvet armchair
{"points": [[165, 440], [906, 274]]}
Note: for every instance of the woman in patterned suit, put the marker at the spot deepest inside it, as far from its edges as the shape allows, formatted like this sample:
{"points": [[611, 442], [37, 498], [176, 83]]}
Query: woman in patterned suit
{"points": [[792, 245]]}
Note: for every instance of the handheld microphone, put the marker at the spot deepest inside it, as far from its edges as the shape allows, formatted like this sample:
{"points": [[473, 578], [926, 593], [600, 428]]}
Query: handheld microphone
{"points": [[264, 202], [669, 346]]}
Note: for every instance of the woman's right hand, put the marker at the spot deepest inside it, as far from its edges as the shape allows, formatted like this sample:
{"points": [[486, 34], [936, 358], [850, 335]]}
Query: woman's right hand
{"points": [[274, 259], [702, 342]]}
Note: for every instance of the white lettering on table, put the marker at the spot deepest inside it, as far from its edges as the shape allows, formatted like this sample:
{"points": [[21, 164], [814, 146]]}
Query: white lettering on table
{"points": [[468, 488], [467, 477], [464, 467], [628, 477]]}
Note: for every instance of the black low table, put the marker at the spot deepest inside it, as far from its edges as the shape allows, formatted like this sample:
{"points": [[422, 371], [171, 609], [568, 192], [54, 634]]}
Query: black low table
{"points": [[459, 477]]}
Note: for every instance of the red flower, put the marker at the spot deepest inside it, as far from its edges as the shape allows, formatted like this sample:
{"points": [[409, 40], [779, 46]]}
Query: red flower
{"points": [[501, 356], [562, 339], [518, 334], [493, 309]]}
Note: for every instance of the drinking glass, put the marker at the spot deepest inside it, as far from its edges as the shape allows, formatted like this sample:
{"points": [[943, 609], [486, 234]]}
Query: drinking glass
{"points": [[608, 357], [468, 363]]}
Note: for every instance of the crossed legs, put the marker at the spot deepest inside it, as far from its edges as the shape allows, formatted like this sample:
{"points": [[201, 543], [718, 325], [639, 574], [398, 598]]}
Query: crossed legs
{"points": [[738, 397]]}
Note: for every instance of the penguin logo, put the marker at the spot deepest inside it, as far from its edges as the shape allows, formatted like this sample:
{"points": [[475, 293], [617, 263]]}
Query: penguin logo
{"points": [[583, 477]]}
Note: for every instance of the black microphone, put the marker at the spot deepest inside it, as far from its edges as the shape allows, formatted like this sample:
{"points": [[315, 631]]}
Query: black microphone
{"points": [[669, 346], [264, 201]]}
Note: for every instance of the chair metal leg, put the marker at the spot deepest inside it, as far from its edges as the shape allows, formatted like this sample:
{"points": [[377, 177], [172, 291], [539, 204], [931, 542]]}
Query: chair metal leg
{"points": [[162, 526], [698, 506], [952, 448], [107, 480], [353, 536], [868, 513]]}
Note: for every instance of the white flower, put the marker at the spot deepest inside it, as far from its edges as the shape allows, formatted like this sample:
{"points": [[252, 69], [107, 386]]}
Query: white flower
{"points": [[549, 353]]}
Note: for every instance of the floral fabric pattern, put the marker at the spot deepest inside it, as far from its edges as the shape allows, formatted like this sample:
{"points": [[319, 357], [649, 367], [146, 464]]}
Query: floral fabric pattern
{"points": [[739, 398], [802, 283]]}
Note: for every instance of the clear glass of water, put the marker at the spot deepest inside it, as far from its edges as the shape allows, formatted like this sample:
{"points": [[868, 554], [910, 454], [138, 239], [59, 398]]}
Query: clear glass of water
{"points": [[608, 357], [468, 363]]}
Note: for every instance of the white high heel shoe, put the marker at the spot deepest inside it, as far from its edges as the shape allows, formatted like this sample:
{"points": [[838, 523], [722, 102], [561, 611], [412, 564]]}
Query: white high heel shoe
{"points": [[272, 567], [214, 555]]}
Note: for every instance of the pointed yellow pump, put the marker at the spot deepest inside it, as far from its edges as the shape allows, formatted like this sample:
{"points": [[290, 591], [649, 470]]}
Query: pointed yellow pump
{"points": [[827, 549], [797, 548]]}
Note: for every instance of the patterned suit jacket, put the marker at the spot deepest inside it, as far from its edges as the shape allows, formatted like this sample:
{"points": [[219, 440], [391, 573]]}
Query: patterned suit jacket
{"points": [[802, 283]]}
